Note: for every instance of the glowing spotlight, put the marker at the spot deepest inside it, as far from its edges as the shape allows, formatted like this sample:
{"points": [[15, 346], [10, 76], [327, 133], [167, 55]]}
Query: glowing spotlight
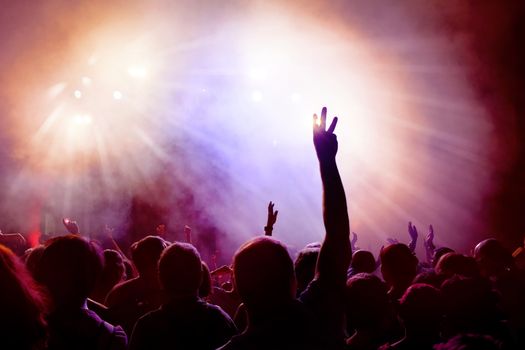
{"points": [[117, 95], [296, 97], [139, 72], [86, 81], [77, 94], [82, 119], [257, 96], [258, 73]]}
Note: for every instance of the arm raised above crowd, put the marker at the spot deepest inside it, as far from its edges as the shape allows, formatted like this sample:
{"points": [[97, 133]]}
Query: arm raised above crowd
{"points": [[335, 253]]}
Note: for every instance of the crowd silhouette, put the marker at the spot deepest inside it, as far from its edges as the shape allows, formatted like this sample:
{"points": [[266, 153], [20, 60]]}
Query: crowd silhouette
{"points": [[68, 293]]}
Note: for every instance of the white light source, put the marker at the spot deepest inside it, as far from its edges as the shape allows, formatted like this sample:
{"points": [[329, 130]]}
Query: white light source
{"points": [[296, 97], [77, 94], [257, 96], [86, 81], [138, 71], [117, 95], [258, 73], [82, 119]]}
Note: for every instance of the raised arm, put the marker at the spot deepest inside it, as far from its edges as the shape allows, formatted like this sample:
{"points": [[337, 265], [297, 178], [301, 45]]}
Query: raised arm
{"points": [[271, 219], [335, 253], [429, 244], [412, 232]]}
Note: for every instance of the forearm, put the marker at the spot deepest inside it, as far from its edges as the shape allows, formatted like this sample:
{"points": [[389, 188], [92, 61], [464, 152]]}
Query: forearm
{"points": [[335, 253], [412, 244]]}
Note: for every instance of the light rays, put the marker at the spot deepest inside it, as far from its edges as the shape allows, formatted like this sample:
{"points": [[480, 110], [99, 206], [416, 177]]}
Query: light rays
{"points": [[226, 110]]}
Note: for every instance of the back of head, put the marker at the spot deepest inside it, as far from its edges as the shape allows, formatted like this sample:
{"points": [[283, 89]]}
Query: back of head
{"points": [[363, 261], [438, 253], [469, 303], [429, 277], [366, 300], [32, 258], [492, 257], [205, 287], [146, 253], [452, 264], [305, 267], [421, 307], [21, 302], [69, 268], [114, 268], [263, 273], [180, 270], [398, 264]]}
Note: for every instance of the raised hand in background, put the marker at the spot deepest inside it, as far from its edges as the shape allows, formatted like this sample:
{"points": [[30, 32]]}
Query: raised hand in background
{"points": [[412, 231], [271, 219], [391, 240], [70, 225], [187, 233], [353, 242], [429, 244]]}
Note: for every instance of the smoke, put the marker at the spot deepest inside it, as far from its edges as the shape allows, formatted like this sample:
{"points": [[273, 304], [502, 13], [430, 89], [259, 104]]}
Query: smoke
{"points": [[214, 114]]}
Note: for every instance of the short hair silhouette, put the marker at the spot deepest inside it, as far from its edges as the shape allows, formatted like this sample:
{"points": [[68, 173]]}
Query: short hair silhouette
{"points": [[146, 253], [367, 300], [69, 268], [492, 257], [263, 272], [305, 267], [180, 269], [452, 264], [363, 261], [398, 264], [421, 307]]}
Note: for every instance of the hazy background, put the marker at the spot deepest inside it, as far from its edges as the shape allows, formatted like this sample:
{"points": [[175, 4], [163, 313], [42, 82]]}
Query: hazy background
{"points": [[199, 112]]}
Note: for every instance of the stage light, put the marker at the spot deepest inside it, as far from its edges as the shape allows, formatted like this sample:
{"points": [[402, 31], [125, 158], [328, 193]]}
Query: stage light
{"points": [[258, 73], [82, 119], [77, 94], [117, 95], [86, 81], [296, 97], [139, 72], [257, 96]]}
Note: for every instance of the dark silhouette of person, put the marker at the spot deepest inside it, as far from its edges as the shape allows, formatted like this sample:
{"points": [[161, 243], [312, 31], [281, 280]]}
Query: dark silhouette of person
{"points": [[69, 268], [184, 321], [304, 266], [420, 311], [497, 264], [32, 258], [265, 280], [452, 264], [471, 306], [368, 308], [363, 261], [22, 305], [113, 273], [398, 267], [131, 299]]}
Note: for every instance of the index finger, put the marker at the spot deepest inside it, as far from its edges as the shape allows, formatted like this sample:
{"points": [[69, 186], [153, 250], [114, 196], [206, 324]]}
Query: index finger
{"points": [[323, 119]]}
